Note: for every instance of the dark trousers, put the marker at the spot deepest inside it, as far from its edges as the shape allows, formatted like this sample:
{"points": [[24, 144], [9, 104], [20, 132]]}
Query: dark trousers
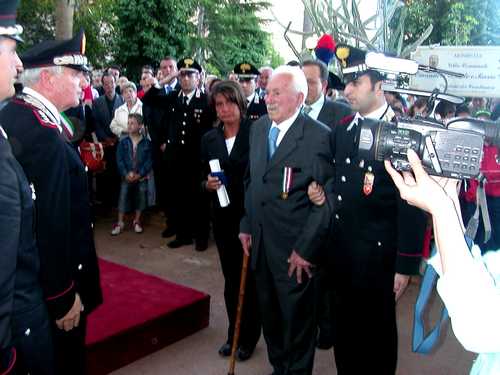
{"points": [[366, 334], [189, 207], [160, 182], [231, 258], [325, 308], [288, 312], [33, 342], [70, 349], [182, 196]]}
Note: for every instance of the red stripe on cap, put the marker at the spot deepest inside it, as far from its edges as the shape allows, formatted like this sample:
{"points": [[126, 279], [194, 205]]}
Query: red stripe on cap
{"points": [[7, 16]]}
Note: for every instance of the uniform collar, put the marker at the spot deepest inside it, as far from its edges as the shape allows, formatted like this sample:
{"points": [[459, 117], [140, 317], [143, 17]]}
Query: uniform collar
{"points": [[378, 114], [190, 95], [384, 113], [48, 107], [251, 98]]}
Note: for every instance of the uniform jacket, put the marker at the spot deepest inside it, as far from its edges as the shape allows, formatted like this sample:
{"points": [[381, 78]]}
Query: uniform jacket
{"points": [[278, 226], [103, 118], [20, 290], [185, 125], [374, 232], [257, 108], [63, 225]]}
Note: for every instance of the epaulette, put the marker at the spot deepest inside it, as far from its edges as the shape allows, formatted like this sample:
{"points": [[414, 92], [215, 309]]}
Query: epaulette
{"points": [[44, 117], [346, 120]]}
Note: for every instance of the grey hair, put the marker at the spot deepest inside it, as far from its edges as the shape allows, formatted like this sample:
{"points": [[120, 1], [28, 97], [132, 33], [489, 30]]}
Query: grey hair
{"points": [[30, 77], [130, 85], [299, 81]]}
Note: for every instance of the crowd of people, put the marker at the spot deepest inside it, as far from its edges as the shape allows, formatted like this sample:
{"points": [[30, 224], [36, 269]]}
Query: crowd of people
{"points": [[268, 160]]}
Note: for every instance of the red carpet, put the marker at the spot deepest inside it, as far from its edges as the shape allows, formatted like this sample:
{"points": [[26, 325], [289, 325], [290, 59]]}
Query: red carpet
{"points": [[140, 314]]}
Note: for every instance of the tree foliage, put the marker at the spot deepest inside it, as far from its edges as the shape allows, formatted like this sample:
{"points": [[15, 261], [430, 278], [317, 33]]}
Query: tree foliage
{"points": [[221, 33], [465, 22], [38, 21], [148, 30], [231, 33], [98, 21]]}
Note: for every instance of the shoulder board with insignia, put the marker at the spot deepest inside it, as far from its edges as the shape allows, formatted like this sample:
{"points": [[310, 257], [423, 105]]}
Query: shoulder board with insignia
{"points": [[346, 120], [45, 120], [44, 116]]}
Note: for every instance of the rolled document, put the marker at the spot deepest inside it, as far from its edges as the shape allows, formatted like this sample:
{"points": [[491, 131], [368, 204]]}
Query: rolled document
{"points": [[221, 191]]}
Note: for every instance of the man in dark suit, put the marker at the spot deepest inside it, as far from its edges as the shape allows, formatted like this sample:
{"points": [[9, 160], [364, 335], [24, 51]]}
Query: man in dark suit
{"points": [[187, 117], [156, 121], [103, 110], [377, 238], [39, 137], [317, 105], [328, 112], [25, 340], [247, 77], [288, 150]]}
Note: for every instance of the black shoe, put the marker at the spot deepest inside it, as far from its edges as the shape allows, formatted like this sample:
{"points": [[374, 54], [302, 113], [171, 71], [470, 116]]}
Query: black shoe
{"points": [[225, 350], [169, 232], [201, 245], [243, 354], [175, 244]]}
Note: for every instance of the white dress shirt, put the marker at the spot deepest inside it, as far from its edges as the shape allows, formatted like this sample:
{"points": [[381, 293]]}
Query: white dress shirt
{"points": [[284, 126], [316, 107]]}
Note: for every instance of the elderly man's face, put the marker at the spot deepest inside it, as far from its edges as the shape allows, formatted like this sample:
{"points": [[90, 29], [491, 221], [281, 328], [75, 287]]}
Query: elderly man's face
{"points": [[67, 87], [10, 65], [282, 100]]}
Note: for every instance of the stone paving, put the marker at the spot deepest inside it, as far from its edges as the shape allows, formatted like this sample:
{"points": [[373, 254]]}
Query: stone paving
{"points": [[197, 354]]}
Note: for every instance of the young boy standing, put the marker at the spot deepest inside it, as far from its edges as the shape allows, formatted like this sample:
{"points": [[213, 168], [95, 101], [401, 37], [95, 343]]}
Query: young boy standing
{"points": [[134, 164]]}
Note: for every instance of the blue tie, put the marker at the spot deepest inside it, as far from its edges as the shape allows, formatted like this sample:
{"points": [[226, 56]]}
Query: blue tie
{"points": [[271, 140]]}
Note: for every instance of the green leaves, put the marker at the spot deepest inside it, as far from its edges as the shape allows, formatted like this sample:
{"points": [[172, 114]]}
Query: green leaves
{"points": [[231, 33]]}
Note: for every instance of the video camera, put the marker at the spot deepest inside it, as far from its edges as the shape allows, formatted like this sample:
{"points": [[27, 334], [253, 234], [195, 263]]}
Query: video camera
{"points": [[454, 149]]}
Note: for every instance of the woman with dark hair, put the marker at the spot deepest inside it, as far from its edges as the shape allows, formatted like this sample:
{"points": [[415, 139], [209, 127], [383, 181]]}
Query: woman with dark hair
{"points": [[229, 144]]}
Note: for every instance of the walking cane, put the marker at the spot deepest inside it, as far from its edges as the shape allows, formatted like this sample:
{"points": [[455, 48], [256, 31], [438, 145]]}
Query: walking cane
{"points": [[239, 311]]}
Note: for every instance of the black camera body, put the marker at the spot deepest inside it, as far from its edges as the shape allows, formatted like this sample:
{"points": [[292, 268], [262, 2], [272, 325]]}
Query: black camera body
{"points": [[452, 150]]}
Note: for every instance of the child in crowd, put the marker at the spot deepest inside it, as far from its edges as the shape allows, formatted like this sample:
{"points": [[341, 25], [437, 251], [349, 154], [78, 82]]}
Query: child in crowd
{"points": [[134, 161]]}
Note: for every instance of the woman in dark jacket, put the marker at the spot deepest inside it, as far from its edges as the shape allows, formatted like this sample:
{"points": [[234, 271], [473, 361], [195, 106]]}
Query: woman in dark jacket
{"points": [[229, 144]]}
